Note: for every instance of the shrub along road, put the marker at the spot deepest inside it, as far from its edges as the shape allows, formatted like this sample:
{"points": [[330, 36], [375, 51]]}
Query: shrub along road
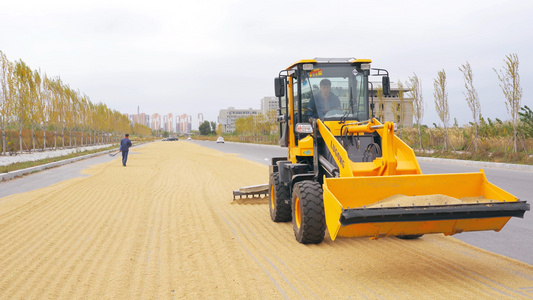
{"points": [[165, 227]]}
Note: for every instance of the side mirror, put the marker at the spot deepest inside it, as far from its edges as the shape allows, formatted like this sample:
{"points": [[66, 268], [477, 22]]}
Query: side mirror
{"points": [[279, 86], [385, 83]]}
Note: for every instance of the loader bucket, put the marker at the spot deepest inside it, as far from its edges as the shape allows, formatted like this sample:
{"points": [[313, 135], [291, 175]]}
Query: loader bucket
{"points": [[399, 205]]}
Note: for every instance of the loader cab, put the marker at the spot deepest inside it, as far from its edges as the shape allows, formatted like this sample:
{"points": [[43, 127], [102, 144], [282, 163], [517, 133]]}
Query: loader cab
{"points": [[348, 83], [301, 98]]}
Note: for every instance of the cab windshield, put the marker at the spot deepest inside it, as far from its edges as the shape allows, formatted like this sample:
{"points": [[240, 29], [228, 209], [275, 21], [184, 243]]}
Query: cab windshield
{"points": [[334, 92]]}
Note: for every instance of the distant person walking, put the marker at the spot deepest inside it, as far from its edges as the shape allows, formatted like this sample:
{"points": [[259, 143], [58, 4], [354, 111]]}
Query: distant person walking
{"points": [[125, 145]]}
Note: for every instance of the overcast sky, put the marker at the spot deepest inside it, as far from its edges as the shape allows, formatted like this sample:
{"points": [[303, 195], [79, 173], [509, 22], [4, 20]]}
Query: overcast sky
{"points": [[205, 55]]}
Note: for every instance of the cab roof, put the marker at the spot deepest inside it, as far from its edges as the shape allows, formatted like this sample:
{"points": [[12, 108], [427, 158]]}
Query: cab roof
{"points": [[350, 60]]}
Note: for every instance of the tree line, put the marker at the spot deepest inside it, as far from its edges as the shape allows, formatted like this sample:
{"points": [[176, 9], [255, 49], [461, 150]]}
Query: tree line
{"points": [[520, 117], [481, 132], [31, 102]]}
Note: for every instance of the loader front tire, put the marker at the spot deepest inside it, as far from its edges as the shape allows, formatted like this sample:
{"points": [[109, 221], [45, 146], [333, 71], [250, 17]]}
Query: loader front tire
{"points": [[280, 208], [409, 236], [308, 218]]}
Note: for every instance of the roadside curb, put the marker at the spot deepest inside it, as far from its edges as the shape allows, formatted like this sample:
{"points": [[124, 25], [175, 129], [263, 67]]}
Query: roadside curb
{"points": [[22, 172], [476, 163]]}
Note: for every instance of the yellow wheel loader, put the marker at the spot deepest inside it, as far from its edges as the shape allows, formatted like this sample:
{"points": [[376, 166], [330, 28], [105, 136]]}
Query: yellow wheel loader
{"points": [[348, 172]]}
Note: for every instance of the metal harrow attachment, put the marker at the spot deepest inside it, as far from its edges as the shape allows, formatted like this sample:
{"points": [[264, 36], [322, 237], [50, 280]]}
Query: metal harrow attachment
{"points": [[254, 191]]}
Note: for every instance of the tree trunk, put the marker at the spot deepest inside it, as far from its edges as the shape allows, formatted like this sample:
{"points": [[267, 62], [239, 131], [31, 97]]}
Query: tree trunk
{"points": [[445, 139], [33, 138], [20, 139], [515, 138], [44, 138], [419, 137], [475, 137], [4, 141]]}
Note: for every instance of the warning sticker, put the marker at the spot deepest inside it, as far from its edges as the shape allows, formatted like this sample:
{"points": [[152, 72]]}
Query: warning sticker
{"points": [[315, 73]]}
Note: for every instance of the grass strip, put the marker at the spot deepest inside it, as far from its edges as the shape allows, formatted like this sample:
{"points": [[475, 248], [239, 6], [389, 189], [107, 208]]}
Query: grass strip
{"points": [[28, 164]]}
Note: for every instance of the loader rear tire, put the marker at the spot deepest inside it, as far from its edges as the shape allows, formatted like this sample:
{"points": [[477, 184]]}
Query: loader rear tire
{"points": [[308, 219], [279, 194]]}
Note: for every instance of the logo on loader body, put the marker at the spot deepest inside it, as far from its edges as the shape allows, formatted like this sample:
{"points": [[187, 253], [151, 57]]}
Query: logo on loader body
{"points": [[337, 154]]}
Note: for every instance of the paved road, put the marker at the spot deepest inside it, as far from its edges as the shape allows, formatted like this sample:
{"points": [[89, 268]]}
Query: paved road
{"points": [[50, 176], [515, 240], [165, 227]]}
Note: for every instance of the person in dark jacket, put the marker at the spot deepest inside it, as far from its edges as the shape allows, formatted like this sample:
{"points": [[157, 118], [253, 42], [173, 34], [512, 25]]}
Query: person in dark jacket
{"points": [[323, 101], [125, 145]]}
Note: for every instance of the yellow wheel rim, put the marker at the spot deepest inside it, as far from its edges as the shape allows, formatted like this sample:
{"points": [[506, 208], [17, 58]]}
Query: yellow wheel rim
{"points": [[297, 212], [272, 198]]}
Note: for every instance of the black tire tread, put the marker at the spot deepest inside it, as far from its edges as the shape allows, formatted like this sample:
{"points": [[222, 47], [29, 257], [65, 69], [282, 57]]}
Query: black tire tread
{"points": [[313, 221], [409, 236], [282, 209]]}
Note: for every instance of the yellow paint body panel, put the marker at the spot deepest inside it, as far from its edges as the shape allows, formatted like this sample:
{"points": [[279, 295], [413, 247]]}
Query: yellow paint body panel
{"points": [[395, 171], [398, 158], [305, 148], [448, 227], [312, 61], [346, 193]]}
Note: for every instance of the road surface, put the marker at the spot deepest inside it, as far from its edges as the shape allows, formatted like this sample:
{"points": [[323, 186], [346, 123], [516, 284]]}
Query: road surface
{"points": [[515, 240], [165, 227]]}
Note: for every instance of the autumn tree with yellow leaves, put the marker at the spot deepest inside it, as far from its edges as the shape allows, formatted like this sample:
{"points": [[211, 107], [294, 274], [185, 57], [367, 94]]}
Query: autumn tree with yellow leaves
{"points": [[31, 101]]}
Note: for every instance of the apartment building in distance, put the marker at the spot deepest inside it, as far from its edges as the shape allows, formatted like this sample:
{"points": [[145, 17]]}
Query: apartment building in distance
{"points": [[183, 124], [168, 122], [155, 122], [391, 108], [268, 104], [140, 118], [200, 119], [227, 117]]}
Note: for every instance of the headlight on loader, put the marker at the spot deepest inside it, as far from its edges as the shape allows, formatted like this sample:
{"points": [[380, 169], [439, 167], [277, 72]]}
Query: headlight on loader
{"points": [[304, 128]]}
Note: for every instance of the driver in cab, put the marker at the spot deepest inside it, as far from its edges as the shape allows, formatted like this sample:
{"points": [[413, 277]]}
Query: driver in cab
{"points": [[322, 102]]}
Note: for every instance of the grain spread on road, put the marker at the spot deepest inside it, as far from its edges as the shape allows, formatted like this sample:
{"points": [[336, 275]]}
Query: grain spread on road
{"points": [[426, 200], [165, 227]]}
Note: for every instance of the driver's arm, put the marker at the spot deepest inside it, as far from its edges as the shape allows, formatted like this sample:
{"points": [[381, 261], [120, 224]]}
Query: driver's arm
{"points": [[311, 110]]}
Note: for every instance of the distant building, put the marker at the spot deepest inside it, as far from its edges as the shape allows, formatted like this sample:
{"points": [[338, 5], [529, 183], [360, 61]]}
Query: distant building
{"points": [[200, 119], [168, 123], [178, 121], [155, 122], [185, 122], [227, 117], [139, 119], [394, 111], [268, 104]]}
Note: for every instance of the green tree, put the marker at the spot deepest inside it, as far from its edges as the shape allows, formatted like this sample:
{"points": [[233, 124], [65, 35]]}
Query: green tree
{"points": [[397, 109], [441, 103], [5, 101], [21, 86], [381, 104], [526, 119], [30, 99], [415, 90], [205, 128], [471, 98], [510, 85]]}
